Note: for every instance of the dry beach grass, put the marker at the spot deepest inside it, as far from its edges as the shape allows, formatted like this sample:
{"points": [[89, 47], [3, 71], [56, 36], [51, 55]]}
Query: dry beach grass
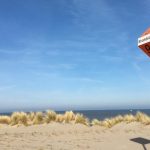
{"points": [[27, 119]]}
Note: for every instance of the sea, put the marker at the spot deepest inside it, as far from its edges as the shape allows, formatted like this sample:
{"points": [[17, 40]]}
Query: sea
{"points": [[101, 114]]}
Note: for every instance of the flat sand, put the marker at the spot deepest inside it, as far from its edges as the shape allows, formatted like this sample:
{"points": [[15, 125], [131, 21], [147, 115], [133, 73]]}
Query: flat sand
{"points": [[55, 136]]}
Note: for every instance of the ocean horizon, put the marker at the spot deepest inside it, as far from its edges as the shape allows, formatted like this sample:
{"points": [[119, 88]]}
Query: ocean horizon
{"points": [[98, 114]]}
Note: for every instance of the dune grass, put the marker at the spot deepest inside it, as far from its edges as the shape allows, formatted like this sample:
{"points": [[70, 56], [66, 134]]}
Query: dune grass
{"points": [[69, 116], [96, 122], [60, 118], [19, 118], [22, 118], [31, 116], [143, 118], [38, 118], [107, 123], [80, 118], [50, 116], [128, 118], [113, 121], [5, 120]]}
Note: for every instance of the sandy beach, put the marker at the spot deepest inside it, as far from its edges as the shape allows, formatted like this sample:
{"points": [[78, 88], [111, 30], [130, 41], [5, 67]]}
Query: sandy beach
{"points": [[59, 136]]}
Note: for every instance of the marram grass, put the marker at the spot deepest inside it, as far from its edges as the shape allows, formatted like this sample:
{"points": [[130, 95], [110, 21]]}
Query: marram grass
{"points": [[38, 118], [60, 118], [80, 118], [26, 119], [69, 116], [108, 123], [128, 118], [143, 118], [5, 120], [31, 116], [50, 116], [96, 122], [19, 118]]}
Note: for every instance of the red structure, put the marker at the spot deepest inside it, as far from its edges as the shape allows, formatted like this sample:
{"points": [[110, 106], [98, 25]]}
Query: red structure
{"points": [[144, 42]]}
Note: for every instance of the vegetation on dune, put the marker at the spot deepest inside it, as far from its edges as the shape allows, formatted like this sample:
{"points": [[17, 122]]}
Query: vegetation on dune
{"points": [[60, 118], [5, 120], [80, 118], [107, 123], [69, 116], [96, 122], [112, 121], [129, 118], [118, 119], [50, 116], [19, 118], [22, 118], [31, 116], [38, 118], [143, 118]]}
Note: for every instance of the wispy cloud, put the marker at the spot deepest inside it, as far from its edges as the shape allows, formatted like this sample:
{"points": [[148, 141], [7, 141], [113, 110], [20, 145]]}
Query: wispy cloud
{"points": [[87, 13], [85, 79], [137, 66], [141, 67], [109, 58], [67, 66], [7, 87], [9, 51], [68, 78]]}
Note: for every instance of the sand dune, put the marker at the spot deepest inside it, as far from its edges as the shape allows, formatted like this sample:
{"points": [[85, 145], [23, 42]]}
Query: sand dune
{"points": [[59, 136]]}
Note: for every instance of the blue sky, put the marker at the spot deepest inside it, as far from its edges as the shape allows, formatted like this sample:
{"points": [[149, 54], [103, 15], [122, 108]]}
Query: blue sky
{"points": [[73, 54]]}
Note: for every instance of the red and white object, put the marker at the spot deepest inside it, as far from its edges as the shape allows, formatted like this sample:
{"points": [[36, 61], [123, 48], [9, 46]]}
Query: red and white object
{"points": [[144, 42]]}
